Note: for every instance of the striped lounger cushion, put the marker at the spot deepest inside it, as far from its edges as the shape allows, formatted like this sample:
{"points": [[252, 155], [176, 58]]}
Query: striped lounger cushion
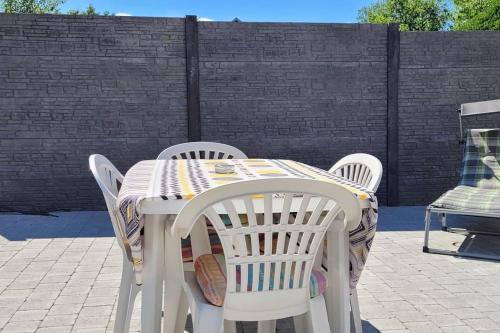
{"points": [[470, 199], [211, 277], [479, 186], [480, 166]]}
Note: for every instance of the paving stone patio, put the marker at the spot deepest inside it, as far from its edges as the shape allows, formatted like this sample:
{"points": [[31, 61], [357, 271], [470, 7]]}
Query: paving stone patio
{"points": [[61, 274]]}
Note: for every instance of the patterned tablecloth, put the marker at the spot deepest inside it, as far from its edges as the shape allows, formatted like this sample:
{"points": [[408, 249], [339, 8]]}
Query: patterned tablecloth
{"points": [[183, 179]]}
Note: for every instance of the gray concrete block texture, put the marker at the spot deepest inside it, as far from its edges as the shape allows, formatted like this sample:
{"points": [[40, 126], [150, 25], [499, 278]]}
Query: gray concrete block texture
{"points": [[73, 86], [308, 92], [438, 72]]}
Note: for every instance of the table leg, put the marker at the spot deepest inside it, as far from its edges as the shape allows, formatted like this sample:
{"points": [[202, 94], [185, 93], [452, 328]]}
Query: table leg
{"points": [[175, 303], [266, 326], [337, 294], [152, 288]]}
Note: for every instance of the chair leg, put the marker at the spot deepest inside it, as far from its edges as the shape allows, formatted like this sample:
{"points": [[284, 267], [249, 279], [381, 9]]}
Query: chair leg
{"points": [[300, 323], [317, 316], [175, 313], [133, 294], [267, 326], [123, 298], [356, 316], [182, 314], [229, 326], [444, 224], [428, 217], [207, 320]]}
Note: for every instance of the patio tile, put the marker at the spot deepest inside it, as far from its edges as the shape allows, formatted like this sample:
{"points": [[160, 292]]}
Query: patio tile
{"points": [[76, 290], [432, 309], [387, 324], [54, 329], [3, 320], [423, 327], [410, 316], [43, 294], [458, 329], [21, 326], [59, 320], [445, 320], [80, 282], [16, 293], [54, 278], [56, 286], [482, 324], [71, 299], [397, 305], [74, 281], [85, 275], [451, 302], [95, 311], [65, 309], [97, 300], [98, 292], [373, 312], [8, 311], [468, 313], [28, 315], [495, 316], [419, 299], [83, 322]]}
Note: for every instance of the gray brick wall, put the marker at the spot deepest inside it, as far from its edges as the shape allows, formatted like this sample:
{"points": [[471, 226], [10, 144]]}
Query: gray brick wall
{"points": [[308, 92], [438, 72], [73, 86]]}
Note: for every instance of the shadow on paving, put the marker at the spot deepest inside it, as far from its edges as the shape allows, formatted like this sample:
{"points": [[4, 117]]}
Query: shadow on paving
{"points": [[19, 227], [411, 218], [408, 219], [475, 243], [282, 326], [367, 327]]}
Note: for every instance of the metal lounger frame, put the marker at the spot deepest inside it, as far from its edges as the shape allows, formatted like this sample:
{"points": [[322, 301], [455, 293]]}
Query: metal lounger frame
{"points": [[444, 226], [467, 109]]}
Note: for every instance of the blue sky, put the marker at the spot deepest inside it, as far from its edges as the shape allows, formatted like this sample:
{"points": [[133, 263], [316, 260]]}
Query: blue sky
{"points": [[225, 10]]}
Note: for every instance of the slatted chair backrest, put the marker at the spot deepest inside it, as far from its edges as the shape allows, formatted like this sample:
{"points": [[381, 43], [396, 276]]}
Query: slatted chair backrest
{"points": [[201, 150], [109, 180], [270, 231], [363, 169]]}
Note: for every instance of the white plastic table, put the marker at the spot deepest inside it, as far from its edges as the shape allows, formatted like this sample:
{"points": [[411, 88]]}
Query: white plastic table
{"points": [[157, 191]]}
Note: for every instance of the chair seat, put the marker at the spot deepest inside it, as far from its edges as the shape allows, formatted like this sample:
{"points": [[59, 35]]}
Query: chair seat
{"points": [[468, 198], [211, 277]]}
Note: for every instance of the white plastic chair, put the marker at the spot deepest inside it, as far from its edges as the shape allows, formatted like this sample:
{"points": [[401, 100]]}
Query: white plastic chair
{"points": [[201, 150], [109, 180], [365, 170], [319, 205]]}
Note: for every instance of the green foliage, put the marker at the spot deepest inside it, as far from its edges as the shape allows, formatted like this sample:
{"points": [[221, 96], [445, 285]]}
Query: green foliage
{"points": [[90, 10], [412, 15], [31, 6], [476, 15], [43, 7]]}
